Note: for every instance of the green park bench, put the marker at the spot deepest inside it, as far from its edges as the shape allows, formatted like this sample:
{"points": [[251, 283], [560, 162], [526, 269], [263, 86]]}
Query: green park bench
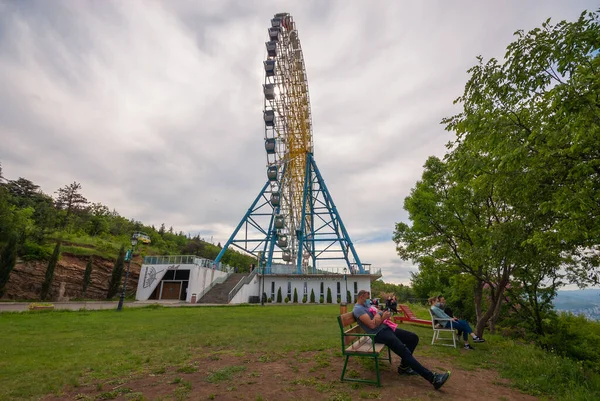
{"points": [[355, 342]]}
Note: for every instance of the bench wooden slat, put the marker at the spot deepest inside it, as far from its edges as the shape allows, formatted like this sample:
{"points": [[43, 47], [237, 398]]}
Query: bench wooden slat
{"points": [[347, 319], [366, 347]]}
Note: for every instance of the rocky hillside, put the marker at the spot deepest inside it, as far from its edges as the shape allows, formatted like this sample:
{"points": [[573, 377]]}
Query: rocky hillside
{"points": [[27, 277]]}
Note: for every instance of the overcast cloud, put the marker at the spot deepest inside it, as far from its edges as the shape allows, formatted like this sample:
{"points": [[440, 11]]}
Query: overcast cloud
{"points": [[156, 107]]}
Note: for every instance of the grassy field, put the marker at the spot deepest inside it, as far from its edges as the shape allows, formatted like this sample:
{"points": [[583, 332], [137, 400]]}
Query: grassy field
{"points": [[41, 352]]}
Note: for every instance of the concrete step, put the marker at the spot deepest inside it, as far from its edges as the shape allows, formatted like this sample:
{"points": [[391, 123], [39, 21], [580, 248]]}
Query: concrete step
{"points": [[219, 294]]}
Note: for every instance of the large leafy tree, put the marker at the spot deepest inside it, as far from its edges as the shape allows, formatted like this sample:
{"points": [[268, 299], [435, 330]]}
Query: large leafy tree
{"points": [[515, 199], [457, 229], [534, 122]]}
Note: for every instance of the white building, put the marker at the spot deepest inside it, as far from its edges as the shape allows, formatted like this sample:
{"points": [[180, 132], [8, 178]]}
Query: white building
{"points": [[189, 278]]}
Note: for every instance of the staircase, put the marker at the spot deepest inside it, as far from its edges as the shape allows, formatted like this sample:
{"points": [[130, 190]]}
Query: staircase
{"points": [[219, 294]]}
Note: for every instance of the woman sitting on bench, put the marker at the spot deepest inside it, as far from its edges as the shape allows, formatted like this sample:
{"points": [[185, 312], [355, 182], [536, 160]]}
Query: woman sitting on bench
{"points": [[461, 325]]}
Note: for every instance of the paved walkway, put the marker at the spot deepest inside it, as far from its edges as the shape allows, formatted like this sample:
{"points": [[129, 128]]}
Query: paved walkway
{"points": [[92, 305]]}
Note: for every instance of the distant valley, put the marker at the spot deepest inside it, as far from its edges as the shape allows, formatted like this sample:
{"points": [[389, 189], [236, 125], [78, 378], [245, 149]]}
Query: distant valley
{"points": [[579, 302]]}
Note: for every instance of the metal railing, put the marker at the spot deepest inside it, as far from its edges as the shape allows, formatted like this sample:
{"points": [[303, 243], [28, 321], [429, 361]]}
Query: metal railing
{"points": [[218, 280], [186, 260], [275, 268], [335, 271]]}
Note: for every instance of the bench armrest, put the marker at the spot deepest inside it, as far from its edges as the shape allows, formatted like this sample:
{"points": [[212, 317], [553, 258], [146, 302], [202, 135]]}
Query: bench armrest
{"points": [[441, 319]]}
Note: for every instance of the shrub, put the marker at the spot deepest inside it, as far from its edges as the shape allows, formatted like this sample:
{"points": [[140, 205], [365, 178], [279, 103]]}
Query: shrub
{"points": [[348, 297], [264, 297], [573, 337], [339, 300], [312, 295], [329, 295], [279, 295], [286, 300], [295, 296], [33, 251], [321, 299], [304, 299]]}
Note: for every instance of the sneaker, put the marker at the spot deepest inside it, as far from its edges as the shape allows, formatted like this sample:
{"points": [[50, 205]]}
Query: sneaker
{"points": [[468, 346], [478, 340], [439, 379], [406, 371]]}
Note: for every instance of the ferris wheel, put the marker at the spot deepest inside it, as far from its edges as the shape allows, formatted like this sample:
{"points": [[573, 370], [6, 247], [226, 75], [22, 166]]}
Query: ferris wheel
{"points": [[288, 129], [293, 220]]}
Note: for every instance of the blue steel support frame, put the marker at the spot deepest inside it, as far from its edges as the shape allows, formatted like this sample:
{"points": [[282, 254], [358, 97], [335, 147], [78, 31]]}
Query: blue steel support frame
{"points": [[334, 212], [313, 178], [320, 242], [245, 219]]}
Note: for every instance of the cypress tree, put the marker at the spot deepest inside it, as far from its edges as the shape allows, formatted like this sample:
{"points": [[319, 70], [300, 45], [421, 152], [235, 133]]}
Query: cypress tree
{"points": [[117, 273], [8, 259], [329, 295], [88, 274], [279, 295], [295, 296], [348, 297], [47, 285], [312, 295]]}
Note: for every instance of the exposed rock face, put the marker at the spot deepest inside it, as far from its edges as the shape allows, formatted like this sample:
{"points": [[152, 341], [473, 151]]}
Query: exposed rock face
{"points": [[26, 279]]}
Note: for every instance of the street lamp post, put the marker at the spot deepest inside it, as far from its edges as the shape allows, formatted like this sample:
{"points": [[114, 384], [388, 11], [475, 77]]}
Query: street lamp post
{"points": [[346, 281], [134, 242]]}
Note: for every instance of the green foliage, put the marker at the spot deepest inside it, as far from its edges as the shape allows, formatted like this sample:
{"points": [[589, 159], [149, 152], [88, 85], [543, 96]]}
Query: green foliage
{"points": [[329, 295], [312, 296], [8, 259], [87, 275], [279, 295], [321, 299], [117, 273], [348, 297], [573, 337], [286, 300], [295, 296], [34, 251], [304, 299], [514, 198], [47, 284], [379, 289], [528, 134]]}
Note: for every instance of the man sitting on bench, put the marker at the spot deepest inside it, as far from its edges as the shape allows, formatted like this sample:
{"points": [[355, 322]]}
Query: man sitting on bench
{"points": [[401, 342]]}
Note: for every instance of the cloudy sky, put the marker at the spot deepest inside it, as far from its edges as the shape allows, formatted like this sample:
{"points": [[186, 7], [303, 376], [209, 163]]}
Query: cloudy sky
{"points": [[156, 107]]}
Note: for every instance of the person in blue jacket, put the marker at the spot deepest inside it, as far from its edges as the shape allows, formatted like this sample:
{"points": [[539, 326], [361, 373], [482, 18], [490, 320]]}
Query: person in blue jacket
{"points": [[461, 325]]}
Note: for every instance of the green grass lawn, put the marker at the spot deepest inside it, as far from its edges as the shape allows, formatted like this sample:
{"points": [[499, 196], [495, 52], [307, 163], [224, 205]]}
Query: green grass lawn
{"points": [[41, 352]]}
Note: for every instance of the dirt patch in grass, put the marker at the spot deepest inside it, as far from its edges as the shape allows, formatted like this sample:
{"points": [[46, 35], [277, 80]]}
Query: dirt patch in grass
{"points": [[227, 375]]}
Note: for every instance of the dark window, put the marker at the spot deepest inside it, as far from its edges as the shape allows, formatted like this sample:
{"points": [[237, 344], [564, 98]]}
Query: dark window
{"points": [[169, 275], [182, 274], [339, 290]]}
